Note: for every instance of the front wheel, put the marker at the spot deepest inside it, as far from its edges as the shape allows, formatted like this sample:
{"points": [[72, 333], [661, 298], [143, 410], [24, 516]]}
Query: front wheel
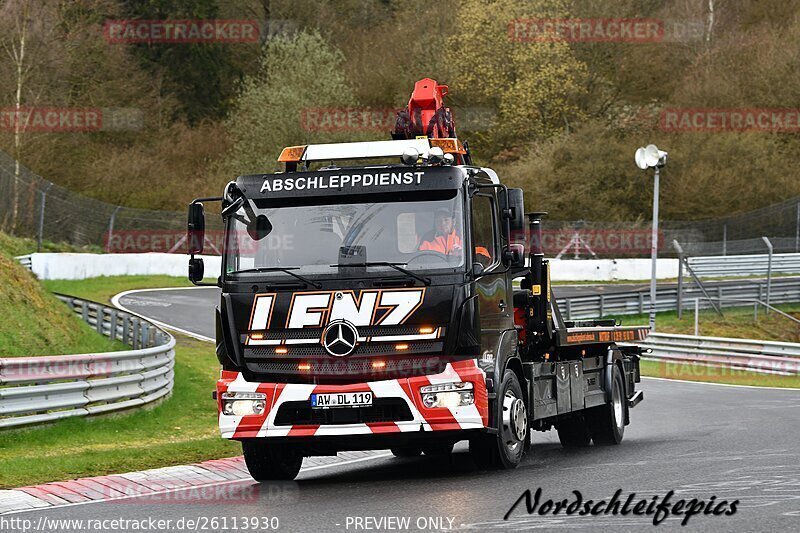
{"points": [[505, 449], [607, 422], [266, 461]]}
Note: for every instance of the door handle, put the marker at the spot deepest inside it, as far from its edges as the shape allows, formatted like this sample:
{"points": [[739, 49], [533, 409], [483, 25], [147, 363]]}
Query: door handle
{"points": [[502, 305]]}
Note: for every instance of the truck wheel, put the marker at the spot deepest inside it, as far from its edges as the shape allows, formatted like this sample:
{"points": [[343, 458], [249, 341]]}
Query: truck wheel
{"points": [[505, 449], [574, 432], [607, 422], [437, 450], [406, 451], [266, 461]]}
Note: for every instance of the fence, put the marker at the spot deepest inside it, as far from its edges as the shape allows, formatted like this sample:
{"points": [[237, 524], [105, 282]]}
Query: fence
{"points": [[782, 290], [35, 390], [781, 358], [744, 265]]}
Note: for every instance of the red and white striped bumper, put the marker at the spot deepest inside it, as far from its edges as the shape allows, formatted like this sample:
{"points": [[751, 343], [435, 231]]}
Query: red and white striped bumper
{"points": [[437, 419]]}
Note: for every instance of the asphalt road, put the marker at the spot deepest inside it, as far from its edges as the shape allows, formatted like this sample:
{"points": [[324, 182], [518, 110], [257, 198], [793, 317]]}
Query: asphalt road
{"points": [[698, 440], [708, 442]]}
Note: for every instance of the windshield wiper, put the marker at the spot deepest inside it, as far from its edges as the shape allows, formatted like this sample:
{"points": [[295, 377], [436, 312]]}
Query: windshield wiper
{"points": [[287, 270], [426, 281]]}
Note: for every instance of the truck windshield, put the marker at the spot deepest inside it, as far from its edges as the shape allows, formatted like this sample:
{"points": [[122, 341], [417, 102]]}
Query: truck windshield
{"points": [[316, 239]]}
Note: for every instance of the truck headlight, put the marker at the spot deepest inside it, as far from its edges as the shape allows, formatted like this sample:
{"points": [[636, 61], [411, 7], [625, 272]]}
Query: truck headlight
{"points": [[447, 395], [243, 403]]}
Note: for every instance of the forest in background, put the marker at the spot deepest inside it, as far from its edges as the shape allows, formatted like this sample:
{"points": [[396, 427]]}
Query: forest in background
{"points": [[560, 119]]}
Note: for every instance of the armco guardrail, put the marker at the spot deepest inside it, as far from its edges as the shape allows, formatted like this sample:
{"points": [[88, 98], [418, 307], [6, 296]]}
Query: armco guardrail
{"points": [[43, 389], [782, 290], [766, 357], [744, 265]]}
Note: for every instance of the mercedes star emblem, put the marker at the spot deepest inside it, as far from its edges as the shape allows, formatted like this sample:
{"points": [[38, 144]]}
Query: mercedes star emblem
{"points": [[339, 338]]}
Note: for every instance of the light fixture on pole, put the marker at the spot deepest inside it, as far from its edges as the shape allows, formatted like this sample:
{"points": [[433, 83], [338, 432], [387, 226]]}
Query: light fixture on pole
{"points": [[652, 157]]}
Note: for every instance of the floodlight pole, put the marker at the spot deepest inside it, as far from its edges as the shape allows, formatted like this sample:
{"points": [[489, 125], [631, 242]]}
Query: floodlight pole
{"points": [[654, 253]]}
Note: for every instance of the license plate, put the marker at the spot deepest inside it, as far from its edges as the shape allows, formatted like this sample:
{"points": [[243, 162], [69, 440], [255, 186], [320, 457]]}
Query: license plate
{"points": [[341, 399]]}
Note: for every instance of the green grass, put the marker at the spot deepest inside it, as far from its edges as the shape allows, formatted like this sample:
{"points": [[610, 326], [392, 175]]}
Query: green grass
{"points": [[103, 288], [180, 430], [686, 372], [14, 246]]}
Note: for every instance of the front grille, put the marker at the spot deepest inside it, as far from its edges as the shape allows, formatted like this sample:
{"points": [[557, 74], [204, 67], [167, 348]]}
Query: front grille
{"points": [[330, 369], [381, 410], [367, 349], [316, 333]]}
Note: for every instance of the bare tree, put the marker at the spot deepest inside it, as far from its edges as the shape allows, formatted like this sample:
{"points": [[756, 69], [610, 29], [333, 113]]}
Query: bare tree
{"points": [[25, 42]]}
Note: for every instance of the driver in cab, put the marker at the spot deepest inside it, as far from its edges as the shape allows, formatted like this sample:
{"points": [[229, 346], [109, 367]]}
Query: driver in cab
{"points": [[443, 238]]}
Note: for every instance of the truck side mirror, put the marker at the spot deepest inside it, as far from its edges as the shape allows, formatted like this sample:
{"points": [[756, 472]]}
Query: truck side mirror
{"points": [[514, 256], [516, 203], [196, 228], [196, 269]]}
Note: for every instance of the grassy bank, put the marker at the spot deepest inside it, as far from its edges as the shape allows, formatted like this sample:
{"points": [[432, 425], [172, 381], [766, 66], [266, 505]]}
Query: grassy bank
{"points": [[34, 322]]}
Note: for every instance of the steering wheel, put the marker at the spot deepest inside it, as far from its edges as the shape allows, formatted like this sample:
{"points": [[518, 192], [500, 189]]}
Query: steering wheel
{"points": [[429, 253]]}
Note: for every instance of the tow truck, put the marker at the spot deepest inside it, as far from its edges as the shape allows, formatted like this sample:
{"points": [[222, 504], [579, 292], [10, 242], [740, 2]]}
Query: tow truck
{"points": [[392, 294]]}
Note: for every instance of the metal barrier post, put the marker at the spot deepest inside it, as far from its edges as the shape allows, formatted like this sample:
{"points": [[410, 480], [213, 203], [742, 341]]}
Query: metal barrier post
{"points": [[725, 239], [797, 231], [680, 278], [111, 227], [696, 317], [769, 270], [40, 233]]}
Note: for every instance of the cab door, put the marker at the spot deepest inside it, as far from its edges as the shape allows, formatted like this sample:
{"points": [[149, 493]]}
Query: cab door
{"points": [[494, 303]]}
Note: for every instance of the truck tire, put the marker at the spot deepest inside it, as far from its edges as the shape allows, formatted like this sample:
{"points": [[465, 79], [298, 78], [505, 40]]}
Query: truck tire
{"points": [[437, 450], [406, 451], [607, 422], [574, 432], [505, 449], [266, 461]]}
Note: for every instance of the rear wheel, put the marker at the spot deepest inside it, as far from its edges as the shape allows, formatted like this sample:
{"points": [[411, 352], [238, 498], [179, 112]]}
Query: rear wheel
{"points": [[607, 422], [505, 449], [266, 461], [406, 451], [574, 432]]}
